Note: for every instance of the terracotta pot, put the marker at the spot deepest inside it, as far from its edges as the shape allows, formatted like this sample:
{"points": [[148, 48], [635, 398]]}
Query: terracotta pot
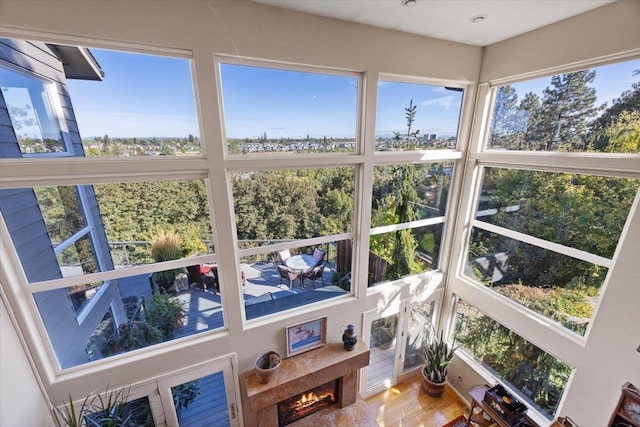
{"points": [[431, 388], [267, 365]]}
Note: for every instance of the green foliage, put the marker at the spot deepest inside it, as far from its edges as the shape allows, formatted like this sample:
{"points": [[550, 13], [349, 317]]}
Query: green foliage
{"points": [[164, 313], [185, 394], [133, 211], [291, 204], [166, 245], [437, 356], [131, 336], [108, 409], [512, 359]]}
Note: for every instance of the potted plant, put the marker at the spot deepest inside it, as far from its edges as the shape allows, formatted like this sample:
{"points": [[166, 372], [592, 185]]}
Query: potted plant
{"points": [[437, 356], [184, 395], [166, 245], [108, 409]]}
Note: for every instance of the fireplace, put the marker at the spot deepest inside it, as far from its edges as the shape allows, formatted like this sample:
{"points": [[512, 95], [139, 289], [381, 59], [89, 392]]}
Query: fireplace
{"points": [[307, 403], [329, 372]]}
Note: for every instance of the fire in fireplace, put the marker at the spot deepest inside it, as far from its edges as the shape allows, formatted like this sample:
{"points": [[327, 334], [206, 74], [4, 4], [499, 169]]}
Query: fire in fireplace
{"points": [[307, 403]]}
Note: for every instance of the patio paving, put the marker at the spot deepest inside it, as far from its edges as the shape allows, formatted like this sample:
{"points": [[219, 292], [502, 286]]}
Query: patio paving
{"points": [[264, 293]]}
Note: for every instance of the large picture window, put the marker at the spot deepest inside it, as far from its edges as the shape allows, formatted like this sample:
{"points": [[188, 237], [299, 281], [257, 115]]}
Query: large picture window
{"points": [[412, 200], [144, 105], [269, 110], [282, 207], [535, 375], [546, 239], [591, 110]]}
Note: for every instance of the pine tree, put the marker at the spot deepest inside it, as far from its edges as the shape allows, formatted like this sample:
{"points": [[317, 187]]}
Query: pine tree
{"points": [[503, 122], [567, 108]]}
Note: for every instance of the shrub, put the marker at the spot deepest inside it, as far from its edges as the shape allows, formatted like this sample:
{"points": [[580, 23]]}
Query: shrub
{"points": [[131, 336], [166, 245], [164, 313]]}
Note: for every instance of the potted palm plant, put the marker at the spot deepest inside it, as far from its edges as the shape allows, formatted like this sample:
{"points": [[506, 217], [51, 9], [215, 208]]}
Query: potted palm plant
{"points": [[437, 356]]}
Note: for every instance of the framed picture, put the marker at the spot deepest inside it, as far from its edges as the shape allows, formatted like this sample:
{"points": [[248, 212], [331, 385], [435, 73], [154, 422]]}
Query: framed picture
{"points": [[306, 336]]}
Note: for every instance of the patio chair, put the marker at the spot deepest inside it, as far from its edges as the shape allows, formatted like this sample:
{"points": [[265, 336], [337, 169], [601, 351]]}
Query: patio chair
{"points": [[318, 255], [287, 274], [203, 280], [284, 255], [314, 274]]}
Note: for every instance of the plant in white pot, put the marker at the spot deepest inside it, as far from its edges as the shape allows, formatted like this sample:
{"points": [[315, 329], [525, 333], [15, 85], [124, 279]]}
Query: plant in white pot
{"points": [[437, 356]]}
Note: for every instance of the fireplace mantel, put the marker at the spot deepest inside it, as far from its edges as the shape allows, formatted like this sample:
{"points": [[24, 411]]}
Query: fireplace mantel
{"points": [[300, 373]]}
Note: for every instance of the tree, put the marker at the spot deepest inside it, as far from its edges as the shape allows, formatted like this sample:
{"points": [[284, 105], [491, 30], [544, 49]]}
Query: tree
{"points": [[503, 122], [624, 134], [529, 114], [629, 102], [405, 197], [567, 107]]}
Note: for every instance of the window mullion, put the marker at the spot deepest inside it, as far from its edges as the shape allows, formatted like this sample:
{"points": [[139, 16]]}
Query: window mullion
{"points": [[555, 247]]}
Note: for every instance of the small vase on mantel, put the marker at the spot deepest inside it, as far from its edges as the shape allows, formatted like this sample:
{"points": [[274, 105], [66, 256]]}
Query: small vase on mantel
{"points": [[349, 338], [267, 365]]}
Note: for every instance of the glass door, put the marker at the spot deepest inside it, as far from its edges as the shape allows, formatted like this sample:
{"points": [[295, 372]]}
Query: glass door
{"points": [[204, 396], [395, 339], [382, 344]]}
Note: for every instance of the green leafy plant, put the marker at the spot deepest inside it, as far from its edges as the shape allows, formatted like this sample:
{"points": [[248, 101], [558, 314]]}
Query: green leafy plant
{"points": [[131, 336], [109, 409], [438, 354], [185, 394], [164, 313]]}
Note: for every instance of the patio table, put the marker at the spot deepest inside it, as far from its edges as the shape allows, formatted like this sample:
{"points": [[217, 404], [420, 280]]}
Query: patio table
{"points": [[301, 263]]}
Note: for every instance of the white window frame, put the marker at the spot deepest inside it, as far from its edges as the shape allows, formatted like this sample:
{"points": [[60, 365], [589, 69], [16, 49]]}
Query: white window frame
{"points": [[53, 99]]}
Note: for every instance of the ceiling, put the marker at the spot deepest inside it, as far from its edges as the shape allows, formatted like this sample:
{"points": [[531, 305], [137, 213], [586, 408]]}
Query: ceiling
{"points": [[448, 19]]}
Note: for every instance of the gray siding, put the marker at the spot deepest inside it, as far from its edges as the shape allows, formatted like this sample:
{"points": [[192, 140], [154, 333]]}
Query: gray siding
{"points": [[21, 213]]}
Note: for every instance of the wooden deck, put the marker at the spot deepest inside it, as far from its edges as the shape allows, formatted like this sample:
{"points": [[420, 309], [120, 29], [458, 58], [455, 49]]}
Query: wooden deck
{"points": [[263, 293], [210, 408]]}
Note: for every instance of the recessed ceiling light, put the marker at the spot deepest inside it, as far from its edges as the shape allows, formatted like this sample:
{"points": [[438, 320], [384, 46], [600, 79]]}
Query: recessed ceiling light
{"points": [[408, 3], [476, 19]]}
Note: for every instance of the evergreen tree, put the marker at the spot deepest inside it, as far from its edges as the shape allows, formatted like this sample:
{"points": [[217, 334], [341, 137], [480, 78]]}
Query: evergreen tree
{"points": [[530, 115], [567, 108], [403, 257], [503, 122], [629, 101]]}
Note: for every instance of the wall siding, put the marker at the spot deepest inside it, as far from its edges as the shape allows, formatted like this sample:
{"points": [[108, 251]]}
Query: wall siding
{"points": [[21, 213]]}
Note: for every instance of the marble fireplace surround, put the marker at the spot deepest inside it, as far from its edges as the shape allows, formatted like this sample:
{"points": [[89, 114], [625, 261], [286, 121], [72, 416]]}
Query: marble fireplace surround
{"points": [[300, 373]]}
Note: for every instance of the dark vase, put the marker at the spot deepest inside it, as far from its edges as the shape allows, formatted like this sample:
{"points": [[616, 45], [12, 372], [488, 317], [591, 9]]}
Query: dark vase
{"points": [[349, 338]]}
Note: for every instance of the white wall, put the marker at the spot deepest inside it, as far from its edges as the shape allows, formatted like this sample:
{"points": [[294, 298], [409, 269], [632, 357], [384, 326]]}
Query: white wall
{"points": [[21, 402]]}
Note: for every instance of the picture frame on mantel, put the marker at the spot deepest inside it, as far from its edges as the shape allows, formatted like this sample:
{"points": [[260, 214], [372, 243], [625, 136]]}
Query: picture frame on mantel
{"points": [[306, 336]]}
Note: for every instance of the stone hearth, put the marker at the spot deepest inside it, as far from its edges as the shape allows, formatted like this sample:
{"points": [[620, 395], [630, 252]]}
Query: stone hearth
{"points": [[303, 372]]}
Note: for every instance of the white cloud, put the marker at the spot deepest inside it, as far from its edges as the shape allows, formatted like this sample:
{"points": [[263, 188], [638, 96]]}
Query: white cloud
{"points": [[444, 102]]}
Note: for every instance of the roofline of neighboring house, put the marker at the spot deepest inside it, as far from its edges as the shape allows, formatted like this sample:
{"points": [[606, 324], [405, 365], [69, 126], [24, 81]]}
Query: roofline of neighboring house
{"points": [[78, 62]]}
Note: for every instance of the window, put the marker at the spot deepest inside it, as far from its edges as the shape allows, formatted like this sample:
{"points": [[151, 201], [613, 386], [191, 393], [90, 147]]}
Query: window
{"points": [[412, 199], [296, 112], [143, 106], [546, 239], [75, 240], [279, 207], [535, 375], [434, 111], [32, 110], [591, 110], [409, 198]]}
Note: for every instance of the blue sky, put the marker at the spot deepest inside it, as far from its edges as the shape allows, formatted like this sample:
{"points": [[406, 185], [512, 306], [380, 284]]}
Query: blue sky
{"points": [[145, 95]]}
